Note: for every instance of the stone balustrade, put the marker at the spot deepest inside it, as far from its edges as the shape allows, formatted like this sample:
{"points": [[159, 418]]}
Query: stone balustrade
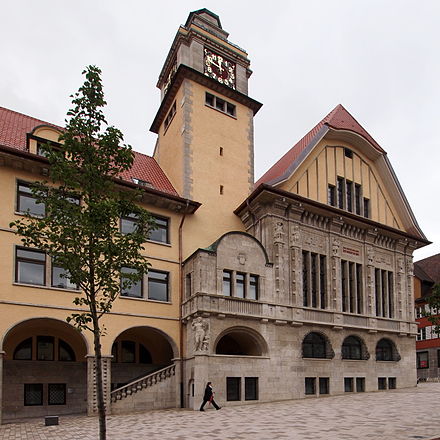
{"points": [[288, 314]]}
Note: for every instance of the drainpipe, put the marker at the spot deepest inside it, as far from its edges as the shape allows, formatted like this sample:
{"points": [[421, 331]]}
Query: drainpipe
{"points": [[182, 400]]}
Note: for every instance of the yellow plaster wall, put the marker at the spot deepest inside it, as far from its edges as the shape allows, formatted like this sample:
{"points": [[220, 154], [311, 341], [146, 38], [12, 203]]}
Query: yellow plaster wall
{"points": [[20, 302], [326, 163], [169, 148], [212, 129]]}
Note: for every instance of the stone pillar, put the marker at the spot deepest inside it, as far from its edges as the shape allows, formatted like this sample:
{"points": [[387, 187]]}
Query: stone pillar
{"points": [[371, 292], [92, 401], [335, 296], [2, 355]]}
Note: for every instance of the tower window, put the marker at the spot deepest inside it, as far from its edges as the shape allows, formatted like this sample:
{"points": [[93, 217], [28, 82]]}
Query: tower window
{"points": [[170, 115], [221, 189], [221, 151], [219, 104]]}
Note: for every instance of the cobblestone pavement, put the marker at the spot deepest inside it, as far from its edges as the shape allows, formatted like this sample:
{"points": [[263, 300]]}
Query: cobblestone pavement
{"points": [[399, 415]]}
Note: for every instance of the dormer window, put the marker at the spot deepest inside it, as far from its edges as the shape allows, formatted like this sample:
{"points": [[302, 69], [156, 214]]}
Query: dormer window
{"points": [[142, 182]]}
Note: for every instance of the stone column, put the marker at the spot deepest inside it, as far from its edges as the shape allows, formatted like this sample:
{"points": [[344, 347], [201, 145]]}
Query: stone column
{"points": [[92, 401]]}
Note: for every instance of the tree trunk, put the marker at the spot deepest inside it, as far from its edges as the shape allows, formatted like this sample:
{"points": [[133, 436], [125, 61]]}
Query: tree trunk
{"points": [[99, 387]]}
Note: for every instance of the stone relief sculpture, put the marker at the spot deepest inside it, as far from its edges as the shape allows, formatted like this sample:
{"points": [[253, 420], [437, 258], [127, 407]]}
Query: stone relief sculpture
{"points": [[295, 235], [278, 231], [336, 244], [201, 336], [370, 255]]}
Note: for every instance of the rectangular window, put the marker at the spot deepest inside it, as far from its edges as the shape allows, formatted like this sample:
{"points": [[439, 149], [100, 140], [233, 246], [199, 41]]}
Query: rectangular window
{"points": [[357, 198], [43, 145], [45, 348], [331, 195], [227, 283], [422, 359], [188, 285], [348, 384], [56, 394], [392, 382], [351, 287], [324, 385], [233, 388], [349, 194], [161, 232], [220, 104], [27, 201], [360, 384], [158, 285], [30, 266], [135, 290], [384, 293], [340, 188], [61, 278], [129, 224], [418, 312], [366, 208], [33, 394], [169, 117], [381, 383], [314, 280], [253, 287], [310, 385], [240, 291], [251, 388]]}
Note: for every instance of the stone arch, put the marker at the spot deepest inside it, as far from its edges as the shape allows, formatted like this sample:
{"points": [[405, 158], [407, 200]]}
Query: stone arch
{"points": [[241, 341], [317, 345], [44, 326], [349, 350], [50, 368], [138, 351], [386, 350], [213, 247]]}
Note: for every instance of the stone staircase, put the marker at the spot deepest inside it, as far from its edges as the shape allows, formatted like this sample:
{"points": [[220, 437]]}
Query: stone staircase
{"points": [[157, 390]]}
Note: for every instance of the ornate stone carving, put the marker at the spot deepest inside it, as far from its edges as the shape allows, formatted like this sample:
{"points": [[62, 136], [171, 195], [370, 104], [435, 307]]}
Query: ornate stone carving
{"points": [[335, 247], [241, 258], [409, 266], [295, 235], [201, 334], [278, 236], [370, 255]]}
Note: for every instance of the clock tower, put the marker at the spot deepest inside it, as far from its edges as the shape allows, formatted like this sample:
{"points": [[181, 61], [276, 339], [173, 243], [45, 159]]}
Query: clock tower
{"points": [[205, 126]]}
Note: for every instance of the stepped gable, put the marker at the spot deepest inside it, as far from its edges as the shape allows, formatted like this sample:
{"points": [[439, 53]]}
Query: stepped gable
{"points": [[339, 119], [15, 126]]}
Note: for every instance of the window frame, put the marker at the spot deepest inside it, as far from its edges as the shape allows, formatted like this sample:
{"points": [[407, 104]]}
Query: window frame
{"points": [[235, 383], [30, 195], [141, 282], [221, 105], [64, 393], [165, 282], [251, 388], [165, 228], [29, 260], [419, 361], [40, 390], [310, 386]]}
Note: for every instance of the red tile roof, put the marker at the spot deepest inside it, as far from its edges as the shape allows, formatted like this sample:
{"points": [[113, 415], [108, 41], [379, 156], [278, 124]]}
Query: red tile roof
{"points": [[15, 126], [339, 118]]}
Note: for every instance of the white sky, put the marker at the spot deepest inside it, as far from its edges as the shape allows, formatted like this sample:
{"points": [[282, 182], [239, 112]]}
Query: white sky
{"points": [[379, 58]]}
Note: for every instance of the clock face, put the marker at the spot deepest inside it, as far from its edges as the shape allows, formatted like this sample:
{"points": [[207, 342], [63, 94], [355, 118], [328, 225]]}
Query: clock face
{"points": [[219, 68]]}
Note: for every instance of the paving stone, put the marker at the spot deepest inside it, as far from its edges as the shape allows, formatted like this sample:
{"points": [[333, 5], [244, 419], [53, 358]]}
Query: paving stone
{"points": [[399, 414]]}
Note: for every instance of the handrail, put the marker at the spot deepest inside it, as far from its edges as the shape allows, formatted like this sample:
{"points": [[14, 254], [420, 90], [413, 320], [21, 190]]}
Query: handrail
{"points": [[142, 383]]}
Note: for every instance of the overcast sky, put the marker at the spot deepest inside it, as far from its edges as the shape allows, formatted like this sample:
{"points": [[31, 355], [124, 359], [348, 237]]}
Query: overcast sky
{"points": [[380, 59]]}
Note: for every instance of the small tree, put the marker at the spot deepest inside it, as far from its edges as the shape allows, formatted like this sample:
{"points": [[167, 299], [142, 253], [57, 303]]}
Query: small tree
{"points": [[84, 204], [433, 314]]}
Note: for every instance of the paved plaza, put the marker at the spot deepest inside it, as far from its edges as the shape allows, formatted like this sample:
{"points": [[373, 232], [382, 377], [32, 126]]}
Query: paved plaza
{"points": [[398, 415]]}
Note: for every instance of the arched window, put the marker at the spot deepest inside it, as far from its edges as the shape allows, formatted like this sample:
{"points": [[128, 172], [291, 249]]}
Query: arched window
{"points": [[352, 348], [23, 351], [314, 346], [65, 352], [384, 351]]}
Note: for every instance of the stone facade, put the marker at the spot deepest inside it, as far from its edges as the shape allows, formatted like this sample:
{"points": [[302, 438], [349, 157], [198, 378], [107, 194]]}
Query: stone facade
{"points": [[271, 329]]}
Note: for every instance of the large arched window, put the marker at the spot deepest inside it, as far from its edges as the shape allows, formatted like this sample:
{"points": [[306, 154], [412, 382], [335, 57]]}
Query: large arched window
{"points": [[314, 346], [23, 351], [385, 351], [65, 352], [352, 348]]}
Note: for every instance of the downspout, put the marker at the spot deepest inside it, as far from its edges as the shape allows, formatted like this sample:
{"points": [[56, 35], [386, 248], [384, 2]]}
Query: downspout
{"points": [[182, 403]]}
